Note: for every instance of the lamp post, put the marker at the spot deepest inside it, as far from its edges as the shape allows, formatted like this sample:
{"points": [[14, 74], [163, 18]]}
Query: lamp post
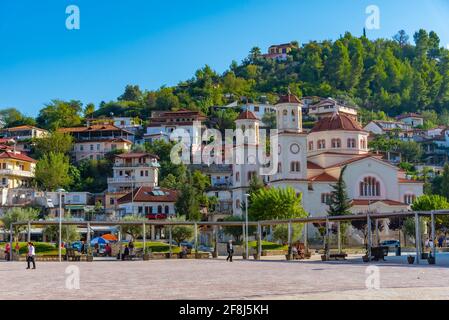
{"points": [[246, 225], [60, 191]]}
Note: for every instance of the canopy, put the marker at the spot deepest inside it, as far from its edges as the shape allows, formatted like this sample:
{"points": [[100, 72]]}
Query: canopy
{"points": [[99, 241], [109, 237]]}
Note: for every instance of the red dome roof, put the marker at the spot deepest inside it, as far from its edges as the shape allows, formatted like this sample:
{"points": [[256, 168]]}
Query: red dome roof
{"points": [[245, 115], [337, 122], [290, 98]]}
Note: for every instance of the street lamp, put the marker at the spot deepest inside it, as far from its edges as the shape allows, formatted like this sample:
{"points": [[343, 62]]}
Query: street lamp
{"points": [[246, 224], [60, 191]]}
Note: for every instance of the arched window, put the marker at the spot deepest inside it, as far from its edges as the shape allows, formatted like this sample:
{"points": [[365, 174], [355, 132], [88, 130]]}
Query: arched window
{"points": [[167, 210], [285, 113], [237, 176], [409, 198], [279, 167], [237, 204], [310, 145], [370, 187], [295, 166], [321, 144], [336, 143], [251, 175], [362, 144], [159, 209], [351, 143]]}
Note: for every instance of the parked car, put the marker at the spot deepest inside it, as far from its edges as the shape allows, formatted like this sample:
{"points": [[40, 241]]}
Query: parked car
{"points": [[391, 244]]}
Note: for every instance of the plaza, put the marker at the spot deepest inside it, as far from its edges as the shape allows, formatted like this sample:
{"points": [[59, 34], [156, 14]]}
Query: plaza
{"points": [[270, 278]]}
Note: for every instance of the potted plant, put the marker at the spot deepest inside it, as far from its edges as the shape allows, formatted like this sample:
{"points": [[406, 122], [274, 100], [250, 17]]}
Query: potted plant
{"points": [[147, 254], [411, 259]]}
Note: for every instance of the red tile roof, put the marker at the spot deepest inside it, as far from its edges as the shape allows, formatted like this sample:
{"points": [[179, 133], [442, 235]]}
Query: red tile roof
{"points": [[409, 115], [338, 121], [365, 202], [145, 194], [16, 156], [24, 127], [95, 127], [289, 98], [402, 180], [245, 115], [324, 177], [311, 165]]}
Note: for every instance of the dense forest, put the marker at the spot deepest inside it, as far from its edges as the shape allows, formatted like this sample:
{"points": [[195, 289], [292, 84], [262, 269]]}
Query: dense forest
{"points": [[390, 76]]}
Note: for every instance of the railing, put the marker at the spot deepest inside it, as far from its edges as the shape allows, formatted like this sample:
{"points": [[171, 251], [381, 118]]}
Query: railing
{"points": [[19, 173]]}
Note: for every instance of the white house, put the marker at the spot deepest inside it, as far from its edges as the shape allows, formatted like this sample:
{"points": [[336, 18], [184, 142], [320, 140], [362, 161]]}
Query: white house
{"points": [[411, 119]]}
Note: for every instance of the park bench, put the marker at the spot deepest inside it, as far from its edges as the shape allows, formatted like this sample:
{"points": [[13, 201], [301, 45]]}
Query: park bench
{"points": [[338, 256], [72, 255], [379, 253]]}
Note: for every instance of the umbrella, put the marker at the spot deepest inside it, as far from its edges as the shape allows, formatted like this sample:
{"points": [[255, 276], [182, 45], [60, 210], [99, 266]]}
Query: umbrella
{"points": [[99, 241], [109, 237]]}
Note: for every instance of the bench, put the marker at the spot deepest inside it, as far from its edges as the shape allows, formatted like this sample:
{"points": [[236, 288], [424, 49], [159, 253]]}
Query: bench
{"points": [[338, 256], [379, 253]]}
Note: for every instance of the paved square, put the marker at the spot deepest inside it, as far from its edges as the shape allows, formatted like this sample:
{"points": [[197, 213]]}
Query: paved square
{"points": [[217, 279]]}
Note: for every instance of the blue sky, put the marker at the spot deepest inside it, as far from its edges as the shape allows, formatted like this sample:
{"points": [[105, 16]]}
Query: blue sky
{"points": [[155, 43]]}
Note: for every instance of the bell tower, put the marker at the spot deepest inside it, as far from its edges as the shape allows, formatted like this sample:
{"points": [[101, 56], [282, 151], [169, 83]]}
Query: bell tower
{"points": [[289, 114]]}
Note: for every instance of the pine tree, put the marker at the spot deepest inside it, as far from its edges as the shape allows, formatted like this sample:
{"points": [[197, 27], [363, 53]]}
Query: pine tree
{"points": [[340, 203]]}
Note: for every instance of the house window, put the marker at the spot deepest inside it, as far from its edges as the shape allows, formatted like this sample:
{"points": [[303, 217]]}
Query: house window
{"points": [[336, 143], [81, 148], [140, 210], [167, 210], [111, 201], [321, 144], [351, 143], [362, 144], [141, 173], [237, 204], [256, 109], [310, 145], [91, 147], [159, 209], [326, 198], [370, 187], [409, 198], [251, 175], [237, 176], [295, 166]]}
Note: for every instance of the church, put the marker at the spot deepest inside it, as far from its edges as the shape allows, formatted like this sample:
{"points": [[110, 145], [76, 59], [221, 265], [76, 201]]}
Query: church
{"points": [[311, 162]]}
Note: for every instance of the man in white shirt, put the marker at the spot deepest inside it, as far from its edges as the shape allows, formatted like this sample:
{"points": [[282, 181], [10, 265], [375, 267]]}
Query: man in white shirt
{"points": [[30, 255]]}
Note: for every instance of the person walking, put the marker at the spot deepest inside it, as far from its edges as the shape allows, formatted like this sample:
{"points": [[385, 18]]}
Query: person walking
{"points": [[7, 251], [30, 255], [230, 249], [131, 247]]}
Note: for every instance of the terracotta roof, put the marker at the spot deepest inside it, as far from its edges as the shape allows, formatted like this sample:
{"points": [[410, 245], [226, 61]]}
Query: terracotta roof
{"points": [[410, 115], [365, 202], [146, 194], [95, 127], [24, 127], [311, 165], [403, 180], [324, 177], [341, 164], [245, 115], [289, 98], [133, 155], [16, 156], [338, 121], [105, 140], [6, 140]]}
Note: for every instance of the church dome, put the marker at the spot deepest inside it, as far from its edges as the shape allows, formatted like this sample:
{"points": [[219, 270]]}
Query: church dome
{"points": [[337, 122]]}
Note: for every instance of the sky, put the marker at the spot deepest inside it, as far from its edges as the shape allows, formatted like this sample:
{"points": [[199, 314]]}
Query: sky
{"points": [[154, 43]]}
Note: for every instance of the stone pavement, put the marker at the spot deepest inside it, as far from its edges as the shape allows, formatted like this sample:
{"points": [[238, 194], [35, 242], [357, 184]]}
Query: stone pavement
{"points": [[217, 279]]}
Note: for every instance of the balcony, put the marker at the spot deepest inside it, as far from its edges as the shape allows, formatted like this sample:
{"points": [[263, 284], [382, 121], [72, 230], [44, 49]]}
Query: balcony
{"points": [[16, 173]]}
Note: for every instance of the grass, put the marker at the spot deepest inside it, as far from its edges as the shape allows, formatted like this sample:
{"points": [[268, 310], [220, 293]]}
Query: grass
{"points": [[266, 245], [41, 248], [159, 247]]}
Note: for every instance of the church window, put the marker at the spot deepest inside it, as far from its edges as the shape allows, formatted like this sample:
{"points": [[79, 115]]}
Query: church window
{"points": [[409, 198], [351, 143], [321, 144], [295, 166], [310, 145], [326, 198], [237, 177], [336, 143], [279, 167], [237, 204], [370, 187]]}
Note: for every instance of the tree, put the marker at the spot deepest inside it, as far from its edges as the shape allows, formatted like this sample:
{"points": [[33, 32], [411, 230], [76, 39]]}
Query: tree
{"points": [[18, 215], [56, 142], [181, 233], [52, 172], [69, 233], [11, 117], [274, 203], [269, 119], [132, 93], [401, 38], [60, 114], [225, 119], [444, 187], [430, 203], [280, 232], [237, 231], [134, 231], [340, 203]]}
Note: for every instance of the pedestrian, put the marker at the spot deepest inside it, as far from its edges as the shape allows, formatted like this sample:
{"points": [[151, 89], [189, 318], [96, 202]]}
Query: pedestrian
{"points": [[230, 249], [131, 247], [31, 255], [17, 248], [125, 253], [7, 251], [83, 247]]}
